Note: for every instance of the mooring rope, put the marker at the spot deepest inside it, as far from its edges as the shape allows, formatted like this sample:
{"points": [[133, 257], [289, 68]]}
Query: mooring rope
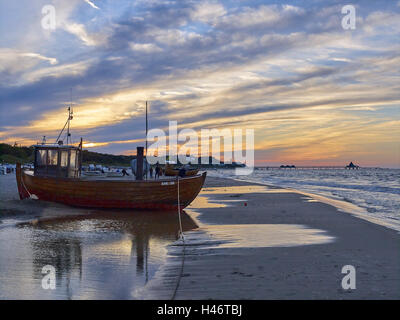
{"points": [[179, 213], [23, 183], [181, 237]]}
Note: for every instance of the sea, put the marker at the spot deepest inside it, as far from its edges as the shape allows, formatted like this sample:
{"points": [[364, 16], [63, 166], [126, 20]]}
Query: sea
{"points": [[376, 191]]}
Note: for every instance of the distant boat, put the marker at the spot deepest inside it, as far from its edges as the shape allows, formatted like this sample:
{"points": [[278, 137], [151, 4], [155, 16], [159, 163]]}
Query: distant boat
{"points": [[171, 171], [92, 173], [114, 174]]}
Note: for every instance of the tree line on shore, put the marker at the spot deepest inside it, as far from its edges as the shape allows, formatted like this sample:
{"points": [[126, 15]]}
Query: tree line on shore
{"points": [[13, 154]]}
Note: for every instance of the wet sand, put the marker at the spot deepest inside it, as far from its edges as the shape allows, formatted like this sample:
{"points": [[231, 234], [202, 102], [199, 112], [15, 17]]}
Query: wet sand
{"points": [[240, 251]]}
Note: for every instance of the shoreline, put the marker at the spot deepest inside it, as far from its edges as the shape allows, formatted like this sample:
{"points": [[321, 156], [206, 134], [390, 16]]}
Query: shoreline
{"points": [[214, 269], [342, 204]]}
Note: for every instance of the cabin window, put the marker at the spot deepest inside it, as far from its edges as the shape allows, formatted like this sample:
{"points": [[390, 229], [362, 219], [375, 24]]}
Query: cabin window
{"points": [[72, 161], [41, 157], [57, 162], [53, 157], [64, 159]]}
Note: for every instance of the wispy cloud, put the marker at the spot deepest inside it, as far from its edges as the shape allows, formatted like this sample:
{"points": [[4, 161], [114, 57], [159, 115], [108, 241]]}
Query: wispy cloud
{"points": [[80, 31], [92, 4]]}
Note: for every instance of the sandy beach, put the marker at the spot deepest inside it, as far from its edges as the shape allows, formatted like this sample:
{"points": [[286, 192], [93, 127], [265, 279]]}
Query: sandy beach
{"points": [[232, 212]]}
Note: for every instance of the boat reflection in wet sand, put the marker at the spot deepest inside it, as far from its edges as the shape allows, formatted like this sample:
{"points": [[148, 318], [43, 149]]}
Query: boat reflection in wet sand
{"points": [[141, 227], [106, 254]]}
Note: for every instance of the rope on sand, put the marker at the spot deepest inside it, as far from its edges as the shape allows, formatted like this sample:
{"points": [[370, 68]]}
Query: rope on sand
{"points": [[181, 237]]}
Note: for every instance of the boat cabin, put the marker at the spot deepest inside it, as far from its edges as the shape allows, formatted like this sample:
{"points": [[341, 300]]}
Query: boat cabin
{"points": [[61, 161]]}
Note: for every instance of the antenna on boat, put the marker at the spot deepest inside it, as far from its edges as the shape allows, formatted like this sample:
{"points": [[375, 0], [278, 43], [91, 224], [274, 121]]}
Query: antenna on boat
{"points": [[67, 124]]}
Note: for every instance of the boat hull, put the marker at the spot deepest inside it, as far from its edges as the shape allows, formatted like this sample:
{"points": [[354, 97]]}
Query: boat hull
{"points": [[154, 194]]}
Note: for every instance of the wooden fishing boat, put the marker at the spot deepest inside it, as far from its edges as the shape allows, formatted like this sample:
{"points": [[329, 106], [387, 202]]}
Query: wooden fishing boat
{"points": [[170, 171], [57, 177], [110, 193]]}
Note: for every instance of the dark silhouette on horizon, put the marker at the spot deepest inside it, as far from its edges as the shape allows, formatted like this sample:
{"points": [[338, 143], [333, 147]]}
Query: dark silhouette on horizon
{"points": [[288, 166], [351, 165]]}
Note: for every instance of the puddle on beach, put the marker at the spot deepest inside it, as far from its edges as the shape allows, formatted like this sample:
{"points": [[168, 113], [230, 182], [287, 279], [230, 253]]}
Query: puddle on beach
{"points": [[266, 235], [104, 255], [203, 201], [252, 235], [238, 189]]}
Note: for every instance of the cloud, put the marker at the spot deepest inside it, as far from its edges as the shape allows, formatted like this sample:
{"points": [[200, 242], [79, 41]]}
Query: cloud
{"points": [[92, 4], [38, 56], [208, 12], [80, 31], [145, 47], [15, 63], [260, 17], [14, 60], [60, 71]]}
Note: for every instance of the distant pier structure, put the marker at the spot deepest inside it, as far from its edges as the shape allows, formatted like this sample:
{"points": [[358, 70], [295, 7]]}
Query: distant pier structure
{"points": [[351, 165], [288, 166]]}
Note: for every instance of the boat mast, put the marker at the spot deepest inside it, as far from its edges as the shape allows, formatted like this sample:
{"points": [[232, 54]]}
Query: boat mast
{"points": [[67, 124], [69, 116], [146, 136]]}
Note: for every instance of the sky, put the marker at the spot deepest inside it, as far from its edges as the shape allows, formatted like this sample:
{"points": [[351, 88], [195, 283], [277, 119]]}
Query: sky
{"points": [[314, 92]]}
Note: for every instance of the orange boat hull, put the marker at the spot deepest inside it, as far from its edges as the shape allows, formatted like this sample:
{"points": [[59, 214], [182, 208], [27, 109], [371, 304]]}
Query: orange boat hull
{"points": [[155, 194]]}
